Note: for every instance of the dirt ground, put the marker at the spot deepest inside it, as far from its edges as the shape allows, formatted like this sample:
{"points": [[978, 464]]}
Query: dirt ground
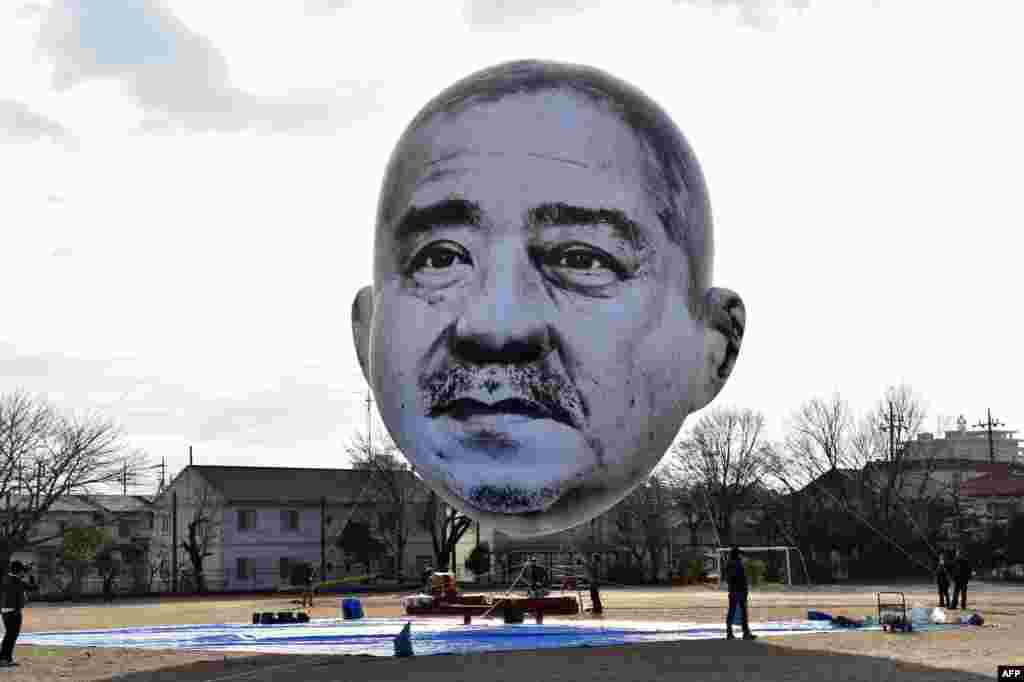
{"points": [[967, 654]]}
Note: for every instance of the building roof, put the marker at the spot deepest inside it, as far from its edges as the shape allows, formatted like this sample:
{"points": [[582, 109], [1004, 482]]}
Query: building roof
{"points": [[77, 504], [64, 503], [833, 478], [121, 503], [1002, 483], [243, 483], [1001, 469]]}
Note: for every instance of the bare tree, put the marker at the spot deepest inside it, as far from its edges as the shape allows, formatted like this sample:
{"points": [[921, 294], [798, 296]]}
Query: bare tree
{"points": [[202, 530], [726, 457], [407, 500], [871, 494], [819, 438], [900, 480], [394, 488], [446, 526], [904, 494], [44, 455], [644, 519], [692, 511]]}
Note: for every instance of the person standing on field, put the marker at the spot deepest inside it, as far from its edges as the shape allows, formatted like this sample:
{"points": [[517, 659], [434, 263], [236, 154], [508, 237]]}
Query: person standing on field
{"points": [[942, 581], [736, 576], [12, 601], [961, 575], [594, 579]]}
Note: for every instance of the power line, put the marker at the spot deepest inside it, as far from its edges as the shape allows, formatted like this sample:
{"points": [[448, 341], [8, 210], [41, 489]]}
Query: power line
{"points": [[894, 425], [988, 424]]}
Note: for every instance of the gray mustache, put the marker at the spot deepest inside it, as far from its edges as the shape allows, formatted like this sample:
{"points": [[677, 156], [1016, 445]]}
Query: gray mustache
{"points": [[522, 389]]}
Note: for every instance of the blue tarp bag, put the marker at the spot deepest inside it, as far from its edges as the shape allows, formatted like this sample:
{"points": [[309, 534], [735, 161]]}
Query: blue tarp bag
{"points": [[351, 609], [818, 615]]}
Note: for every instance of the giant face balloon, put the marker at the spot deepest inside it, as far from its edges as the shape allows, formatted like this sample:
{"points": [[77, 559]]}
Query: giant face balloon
{"points": [[541, 319]]}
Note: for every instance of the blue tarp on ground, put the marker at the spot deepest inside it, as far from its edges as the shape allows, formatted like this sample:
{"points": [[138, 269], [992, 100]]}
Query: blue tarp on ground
{"points": [[374, 636]]}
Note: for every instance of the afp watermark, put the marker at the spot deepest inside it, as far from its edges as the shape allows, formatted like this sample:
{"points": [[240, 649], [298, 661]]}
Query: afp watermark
{"points": [[1011, 672]]}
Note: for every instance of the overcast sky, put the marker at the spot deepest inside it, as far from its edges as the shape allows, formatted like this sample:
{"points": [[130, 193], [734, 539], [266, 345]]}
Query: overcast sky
{"points": [[189, 187]]}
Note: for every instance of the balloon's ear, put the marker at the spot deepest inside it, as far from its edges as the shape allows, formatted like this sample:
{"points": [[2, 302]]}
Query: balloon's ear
{"points": [[362, 316], [725, 320]]}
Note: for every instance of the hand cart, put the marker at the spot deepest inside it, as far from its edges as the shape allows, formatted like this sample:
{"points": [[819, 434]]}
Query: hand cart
{"points": [[892, 614]]}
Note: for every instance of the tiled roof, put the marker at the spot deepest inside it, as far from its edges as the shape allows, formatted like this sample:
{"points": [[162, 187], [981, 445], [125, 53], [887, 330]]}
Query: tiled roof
{"points": [[1001, 484], [1001, 469], [282, 483], [64, 503], [84, 504]]}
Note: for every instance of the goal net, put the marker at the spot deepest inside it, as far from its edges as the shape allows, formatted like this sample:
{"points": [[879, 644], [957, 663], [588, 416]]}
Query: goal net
{"points": [[784, 565]]}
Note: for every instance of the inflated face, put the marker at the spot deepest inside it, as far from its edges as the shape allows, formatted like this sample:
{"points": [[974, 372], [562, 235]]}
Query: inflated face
{"points": [[530, 336]]}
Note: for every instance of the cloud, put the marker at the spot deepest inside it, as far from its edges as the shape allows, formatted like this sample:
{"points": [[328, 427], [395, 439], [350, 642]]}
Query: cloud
{"points": [[78, 384], [20, 123], [178, 76], [144, 405], [509, 15], [290, 412], [764, 14], [325, 7], [29, 10], [62, 252]]}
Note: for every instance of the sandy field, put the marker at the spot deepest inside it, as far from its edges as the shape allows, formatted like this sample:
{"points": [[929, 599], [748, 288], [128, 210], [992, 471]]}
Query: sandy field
{"points": [[964, 655]]}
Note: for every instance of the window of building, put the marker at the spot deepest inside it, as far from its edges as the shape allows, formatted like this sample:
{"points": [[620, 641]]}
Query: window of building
{"points": [[242, 568], [289, 519], [165, 523], [285, 565], [246, 519], [124, 529]]}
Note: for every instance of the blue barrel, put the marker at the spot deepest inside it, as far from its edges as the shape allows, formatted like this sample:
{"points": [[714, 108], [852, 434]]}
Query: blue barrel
{"points": [[351, 609]]}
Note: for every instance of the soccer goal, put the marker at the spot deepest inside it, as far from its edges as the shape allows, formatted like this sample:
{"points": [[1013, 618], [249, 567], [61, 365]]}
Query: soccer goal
{"points": [[786, 562]]}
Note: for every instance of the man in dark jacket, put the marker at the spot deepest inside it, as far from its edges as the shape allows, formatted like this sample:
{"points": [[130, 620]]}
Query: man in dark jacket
{"points": [[942, 581], [594, 579], [12, 601], [961, 574], [736, 576]]}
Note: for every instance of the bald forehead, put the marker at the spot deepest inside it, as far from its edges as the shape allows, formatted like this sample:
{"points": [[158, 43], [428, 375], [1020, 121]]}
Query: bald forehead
{"points": [[555, 124]]}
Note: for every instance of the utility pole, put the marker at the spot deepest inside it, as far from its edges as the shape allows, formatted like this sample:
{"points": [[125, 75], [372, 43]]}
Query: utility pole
{"points": [[174, 541], [163, 472], [988, 424], [323, 539], [190, 455], [124, 479], [893, 425], [369, 426]]}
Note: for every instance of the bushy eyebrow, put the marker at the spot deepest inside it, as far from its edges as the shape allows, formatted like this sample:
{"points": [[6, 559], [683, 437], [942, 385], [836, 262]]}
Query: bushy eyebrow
{"points": [[446, 213], [455, 212], [559, 214]]}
